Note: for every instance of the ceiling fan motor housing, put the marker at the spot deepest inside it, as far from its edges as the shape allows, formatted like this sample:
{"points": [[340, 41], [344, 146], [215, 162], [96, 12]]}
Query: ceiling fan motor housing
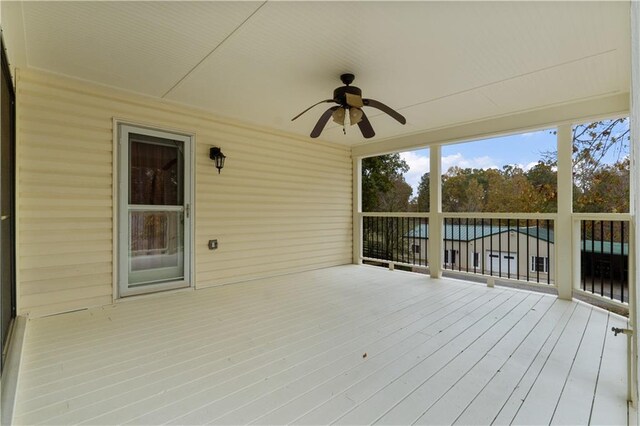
{"points": [[340, 94]]}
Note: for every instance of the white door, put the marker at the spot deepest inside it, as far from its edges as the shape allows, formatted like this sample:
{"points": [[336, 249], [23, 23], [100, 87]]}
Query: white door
{"points": [[502, 262], [154, 225]]}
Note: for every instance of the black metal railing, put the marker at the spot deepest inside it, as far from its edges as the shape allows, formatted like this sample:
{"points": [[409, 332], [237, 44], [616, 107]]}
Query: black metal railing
{"points": [[519, 249], [604, 258], [401, 240]]}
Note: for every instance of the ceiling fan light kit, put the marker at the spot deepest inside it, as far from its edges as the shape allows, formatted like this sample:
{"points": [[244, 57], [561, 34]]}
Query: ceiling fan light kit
{"points": [[349, 98]]}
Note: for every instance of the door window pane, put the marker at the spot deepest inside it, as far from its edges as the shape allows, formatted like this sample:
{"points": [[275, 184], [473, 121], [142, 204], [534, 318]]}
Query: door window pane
{"points": [[154, 172], [156, 246]]}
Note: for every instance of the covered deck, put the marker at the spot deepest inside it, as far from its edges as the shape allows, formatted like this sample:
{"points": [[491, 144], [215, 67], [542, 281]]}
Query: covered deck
{"points": [[350, 345]]}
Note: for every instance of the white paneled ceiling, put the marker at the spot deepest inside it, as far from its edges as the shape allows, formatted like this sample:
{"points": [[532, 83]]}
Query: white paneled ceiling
{"points": [[438, 63]]}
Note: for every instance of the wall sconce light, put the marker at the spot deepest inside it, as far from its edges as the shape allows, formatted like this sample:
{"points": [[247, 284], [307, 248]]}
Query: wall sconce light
{"points": [[216, 155]]}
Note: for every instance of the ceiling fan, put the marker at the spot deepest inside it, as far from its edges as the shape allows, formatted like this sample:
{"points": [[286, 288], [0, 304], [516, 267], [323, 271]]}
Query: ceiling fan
{"points": [[349, 99]]}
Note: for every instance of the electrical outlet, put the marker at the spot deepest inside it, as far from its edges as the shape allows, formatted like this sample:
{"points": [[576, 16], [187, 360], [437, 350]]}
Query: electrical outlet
{"points": [[213, 244]]}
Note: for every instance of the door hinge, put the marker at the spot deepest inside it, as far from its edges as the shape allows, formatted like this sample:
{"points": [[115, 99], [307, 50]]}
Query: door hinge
{"points": [[187, 210]]}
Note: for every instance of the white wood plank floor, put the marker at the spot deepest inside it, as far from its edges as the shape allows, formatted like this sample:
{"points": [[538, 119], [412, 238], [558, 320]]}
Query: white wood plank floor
{"points": [[347, 345]]}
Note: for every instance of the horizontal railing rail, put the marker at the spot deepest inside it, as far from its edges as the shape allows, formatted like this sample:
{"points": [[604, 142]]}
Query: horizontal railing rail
{"points": [[524, 216], [383, 214]]}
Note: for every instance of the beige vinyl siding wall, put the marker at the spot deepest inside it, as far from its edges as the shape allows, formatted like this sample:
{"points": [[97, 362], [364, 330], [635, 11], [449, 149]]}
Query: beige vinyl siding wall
{"points": [[281, 204]]}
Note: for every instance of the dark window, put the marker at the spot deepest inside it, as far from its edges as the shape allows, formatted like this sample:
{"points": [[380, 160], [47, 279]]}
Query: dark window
{"points": [[450, 254], [539, 264]]}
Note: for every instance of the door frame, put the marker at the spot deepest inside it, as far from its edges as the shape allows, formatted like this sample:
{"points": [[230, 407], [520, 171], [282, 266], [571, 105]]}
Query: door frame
{"points": [[116, 192], [6, 71]]}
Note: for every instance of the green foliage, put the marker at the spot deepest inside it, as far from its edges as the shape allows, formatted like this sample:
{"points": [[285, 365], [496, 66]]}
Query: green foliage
{"points": [[506, 190], [598, 187], [608, 190], [383, 184], [422, 200]]}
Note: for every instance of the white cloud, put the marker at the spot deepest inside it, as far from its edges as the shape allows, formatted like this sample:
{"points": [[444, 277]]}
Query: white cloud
{"points": [[525, 167], [457, 159], [418, 165], [529, 134]]}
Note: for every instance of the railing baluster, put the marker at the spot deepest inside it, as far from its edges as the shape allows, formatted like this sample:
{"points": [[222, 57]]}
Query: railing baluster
{"points": [[474, 246], [509, 248], [537, 250], [459, 256], [500, 248], [491, 247], [411, 225], [592, 255], [622, 274], [611, 259], [549, 251], [467, 248], [583, 275], [380, 236], [517, 249], [426, 246], [602, 253], [483, 254]]}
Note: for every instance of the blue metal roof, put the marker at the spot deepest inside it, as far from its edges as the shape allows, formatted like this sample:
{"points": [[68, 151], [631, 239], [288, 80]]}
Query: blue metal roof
{"points": [[606, 247], [470, 232]]}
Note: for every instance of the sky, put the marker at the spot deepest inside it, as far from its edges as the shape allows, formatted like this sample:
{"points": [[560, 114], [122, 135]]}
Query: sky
{"points": [[524, 150]]}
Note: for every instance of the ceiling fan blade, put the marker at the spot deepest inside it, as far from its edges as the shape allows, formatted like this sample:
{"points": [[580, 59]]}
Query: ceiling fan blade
{"points": [[321, 102], [354, 100], [384, 108], [365, 127], [323, 121]]}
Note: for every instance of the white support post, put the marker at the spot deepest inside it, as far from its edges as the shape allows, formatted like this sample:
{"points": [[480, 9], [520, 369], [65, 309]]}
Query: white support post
{"points": [[357, 209], [634, 260], [563, 229], [435, 212]]}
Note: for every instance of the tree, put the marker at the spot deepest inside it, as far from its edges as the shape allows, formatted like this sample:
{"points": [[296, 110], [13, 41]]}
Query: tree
{"points": [[592, 142], [608, 190], [544, 180], [422, 200], [509, 190], [379, 176], [464, 190], [396, 199], [595, 146]]}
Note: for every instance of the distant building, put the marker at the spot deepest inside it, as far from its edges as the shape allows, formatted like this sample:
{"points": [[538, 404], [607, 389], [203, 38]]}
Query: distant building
{"points": [[509, 252]]}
